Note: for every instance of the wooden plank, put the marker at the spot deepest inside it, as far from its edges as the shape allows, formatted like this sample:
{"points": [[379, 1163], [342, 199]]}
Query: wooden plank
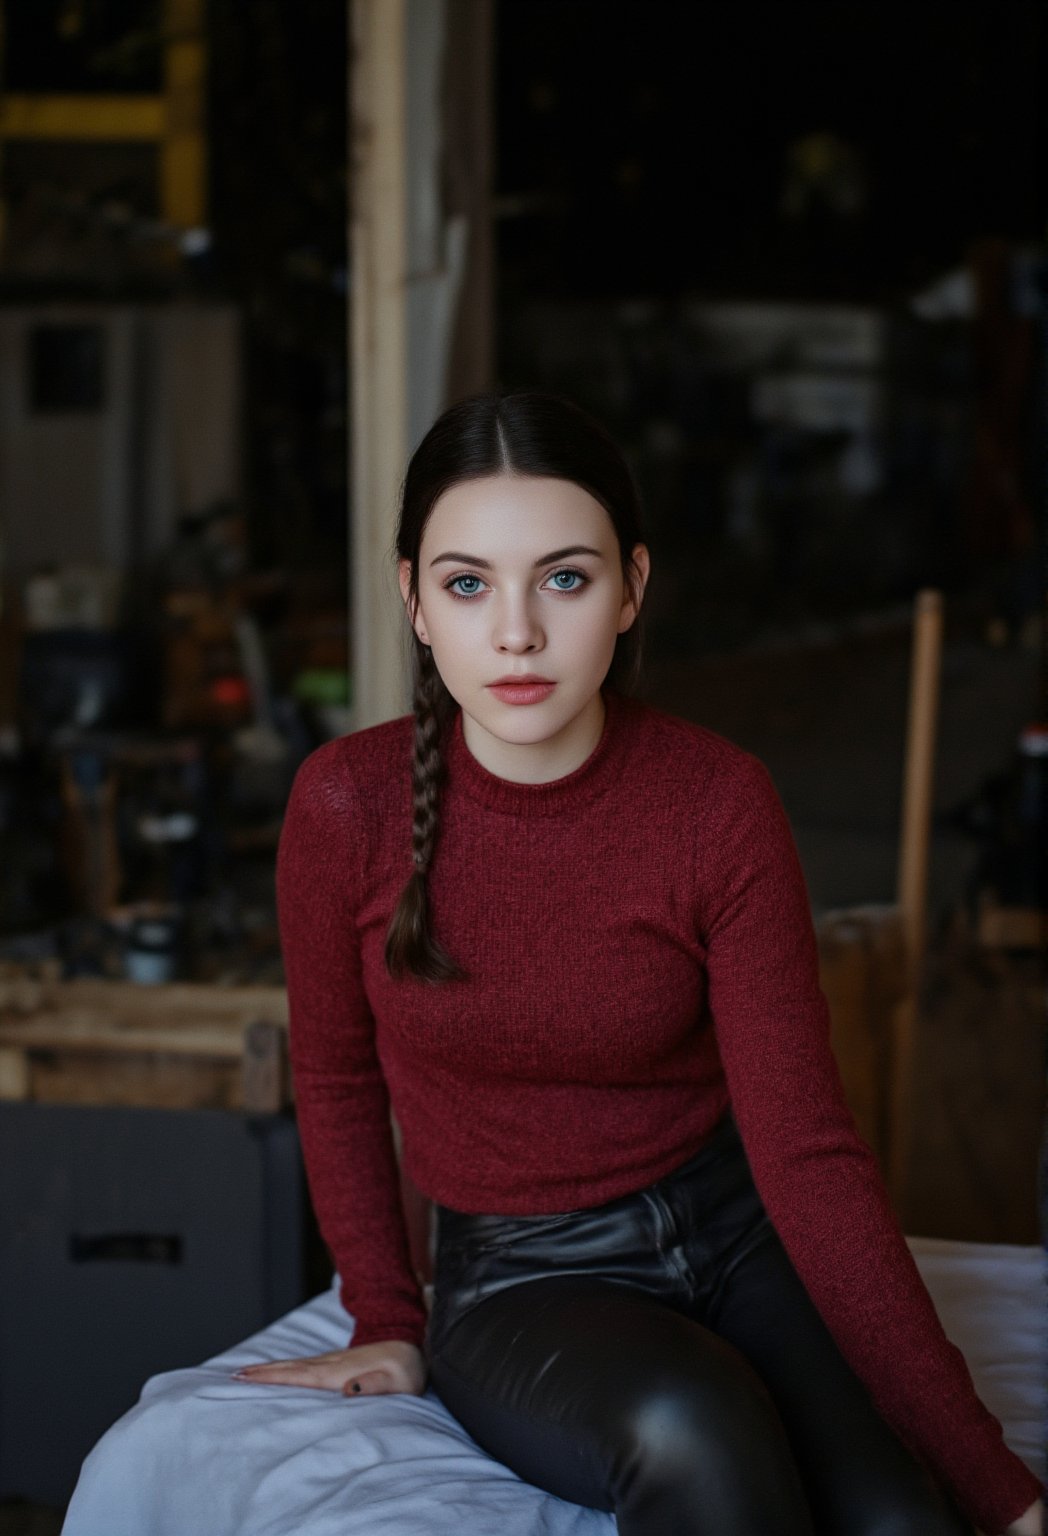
{"points": [[185, 1000], [976, 1140], [1011, 927], [14, 1074], [156, 1081], [109, 118], [863, 970], [181, 1046], [88, 1033]]}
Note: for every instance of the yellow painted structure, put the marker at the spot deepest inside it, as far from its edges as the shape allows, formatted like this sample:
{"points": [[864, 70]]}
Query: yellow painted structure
{"points": [[183, 151], [174, 120], [112, 118]]}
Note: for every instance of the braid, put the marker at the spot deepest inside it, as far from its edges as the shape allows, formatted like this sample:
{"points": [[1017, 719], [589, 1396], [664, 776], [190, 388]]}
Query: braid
{"points": [[411, 947], [427, 761]]}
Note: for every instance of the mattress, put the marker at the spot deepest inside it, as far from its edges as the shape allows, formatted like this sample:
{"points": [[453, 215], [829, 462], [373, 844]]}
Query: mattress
{"points": [[203, 1453]]}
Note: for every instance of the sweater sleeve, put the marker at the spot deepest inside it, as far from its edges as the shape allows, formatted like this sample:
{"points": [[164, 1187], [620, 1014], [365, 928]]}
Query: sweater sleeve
{"points": [[341, 1098], [819, 1181]]}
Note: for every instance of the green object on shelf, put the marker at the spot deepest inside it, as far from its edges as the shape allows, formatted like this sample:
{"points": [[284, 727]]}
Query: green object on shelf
{"points": [[323, 685]]}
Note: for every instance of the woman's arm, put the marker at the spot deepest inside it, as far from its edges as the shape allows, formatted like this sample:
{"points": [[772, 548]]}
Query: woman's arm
{"points": [[341, 1099], [819, 1181]]}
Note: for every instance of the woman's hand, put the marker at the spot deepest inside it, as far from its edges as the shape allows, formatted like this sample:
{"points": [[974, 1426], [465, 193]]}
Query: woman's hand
{"points": [[394, 1366], [1029, 1524]]}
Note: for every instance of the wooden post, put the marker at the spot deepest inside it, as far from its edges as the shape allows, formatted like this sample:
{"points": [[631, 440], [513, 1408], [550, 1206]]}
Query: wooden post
{"points": [[183, 190], [421, 268], [912, 893], [378, 348]]}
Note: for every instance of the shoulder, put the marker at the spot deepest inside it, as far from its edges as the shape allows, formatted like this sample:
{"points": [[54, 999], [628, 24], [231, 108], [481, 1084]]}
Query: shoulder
{"points": [[366, 768], [718, 796], [672, 751]]}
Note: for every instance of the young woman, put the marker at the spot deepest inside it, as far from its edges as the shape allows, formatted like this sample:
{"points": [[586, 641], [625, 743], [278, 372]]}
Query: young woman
{"points": [[567, 938]]}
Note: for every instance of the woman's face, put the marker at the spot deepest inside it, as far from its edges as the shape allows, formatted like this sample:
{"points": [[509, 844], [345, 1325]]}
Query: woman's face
{"points": [[520, 577]]}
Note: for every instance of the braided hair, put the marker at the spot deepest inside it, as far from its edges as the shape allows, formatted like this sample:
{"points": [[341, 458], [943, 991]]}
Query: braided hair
{"points": [[524, 434], [411, 947]]}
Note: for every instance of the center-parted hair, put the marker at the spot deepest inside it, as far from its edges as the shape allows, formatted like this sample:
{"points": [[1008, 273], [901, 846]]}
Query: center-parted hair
{"points": [[521, 434]]}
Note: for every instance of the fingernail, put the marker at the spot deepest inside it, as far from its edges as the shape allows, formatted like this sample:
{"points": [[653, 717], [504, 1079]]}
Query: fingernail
{"points": [[240, 1375]]}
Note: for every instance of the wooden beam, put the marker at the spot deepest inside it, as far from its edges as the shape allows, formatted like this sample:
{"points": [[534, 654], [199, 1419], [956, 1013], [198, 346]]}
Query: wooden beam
{"points": [[378, 348], [919, 773], [69, 1031], [113, 1001], [914, 842], [183, 161], [103, 118]]}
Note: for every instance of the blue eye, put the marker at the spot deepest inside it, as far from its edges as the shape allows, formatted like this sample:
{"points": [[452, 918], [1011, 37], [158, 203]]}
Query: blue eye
{"points": [[568, 581], [464, 586]]}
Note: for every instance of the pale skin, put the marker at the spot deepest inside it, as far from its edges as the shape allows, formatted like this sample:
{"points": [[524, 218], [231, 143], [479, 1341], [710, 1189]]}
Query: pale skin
{"points": [[500, 595]]}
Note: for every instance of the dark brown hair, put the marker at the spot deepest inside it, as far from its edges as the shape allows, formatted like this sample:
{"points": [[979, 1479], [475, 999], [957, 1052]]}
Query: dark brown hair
{"points": [[521, 434]]}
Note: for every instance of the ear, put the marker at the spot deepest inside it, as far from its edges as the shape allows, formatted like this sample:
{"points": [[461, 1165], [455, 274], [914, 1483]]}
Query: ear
{"points": [[635, 587], [411, 603]]}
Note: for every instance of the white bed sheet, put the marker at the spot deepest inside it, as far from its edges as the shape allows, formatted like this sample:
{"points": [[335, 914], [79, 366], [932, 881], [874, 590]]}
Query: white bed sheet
{"points": [[204, 1455]]}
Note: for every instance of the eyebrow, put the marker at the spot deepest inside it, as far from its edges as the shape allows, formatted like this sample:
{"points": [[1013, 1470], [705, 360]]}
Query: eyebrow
{"points": [[455, 558]]}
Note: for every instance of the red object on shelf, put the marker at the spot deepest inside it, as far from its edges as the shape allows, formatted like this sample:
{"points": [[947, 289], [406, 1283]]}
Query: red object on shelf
{"points": [[231, 692]]}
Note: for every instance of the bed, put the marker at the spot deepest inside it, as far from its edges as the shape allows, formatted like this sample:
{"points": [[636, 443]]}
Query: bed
{"points": [[205, 1454]]}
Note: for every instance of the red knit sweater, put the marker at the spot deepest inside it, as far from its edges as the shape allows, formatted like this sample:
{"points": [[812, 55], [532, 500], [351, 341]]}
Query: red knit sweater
{"points": [[640, 954]]}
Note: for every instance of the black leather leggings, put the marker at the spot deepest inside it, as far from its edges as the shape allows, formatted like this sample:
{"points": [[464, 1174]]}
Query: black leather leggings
{"points": [[658, 1357]]}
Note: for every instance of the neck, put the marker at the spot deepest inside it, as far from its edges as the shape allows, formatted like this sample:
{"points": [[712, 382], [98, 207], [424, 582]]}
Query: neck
{"points": [[538, 762]]}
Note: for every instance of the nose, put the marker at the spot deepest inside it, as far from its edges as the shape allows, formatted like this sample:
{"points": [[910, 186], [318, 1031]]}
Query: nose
{"points": [[517, 629]]}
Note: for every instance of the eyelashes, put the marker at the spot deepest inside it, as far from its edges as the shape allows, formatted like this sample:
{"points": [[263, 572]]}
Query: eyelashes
{"points": [[579, 577], [454, 581], [553, 582]]}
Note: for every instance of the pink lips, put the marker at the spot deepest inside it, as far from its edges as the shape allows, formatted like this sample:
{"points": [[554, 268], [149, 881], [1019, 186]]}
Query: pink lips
{"points": [[522, 690]]}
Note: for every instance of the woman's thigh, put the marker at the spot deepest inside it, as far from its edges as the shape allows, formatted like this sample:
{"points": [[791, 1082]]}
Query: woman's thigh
{"points": [[607, 1397], [859, 1478]]}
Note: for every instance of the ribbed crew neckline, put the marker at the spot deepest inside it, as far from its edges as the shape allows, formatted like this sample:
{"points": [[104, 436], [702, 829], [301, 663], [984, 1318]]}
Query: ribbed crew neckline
{"points": [[584, 784]]}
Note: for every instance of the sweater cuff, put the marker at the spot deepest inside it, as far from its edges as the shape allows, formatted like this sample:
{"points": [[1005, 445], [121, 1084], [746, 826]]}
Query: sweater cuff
{"points": [[383, 1333], [1004, 1506]]}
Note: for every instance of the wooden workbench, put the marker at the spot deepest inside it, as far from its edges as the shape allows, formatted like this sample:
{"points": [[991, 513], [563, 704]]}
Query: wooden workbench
{"points": [[176, 1047]]}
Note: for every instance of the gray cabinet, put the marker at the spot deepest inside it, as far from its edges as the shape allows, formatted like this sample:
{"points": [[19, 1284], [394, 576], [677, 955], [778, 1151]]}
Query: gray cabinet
{"points": [[132, 1241]]}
